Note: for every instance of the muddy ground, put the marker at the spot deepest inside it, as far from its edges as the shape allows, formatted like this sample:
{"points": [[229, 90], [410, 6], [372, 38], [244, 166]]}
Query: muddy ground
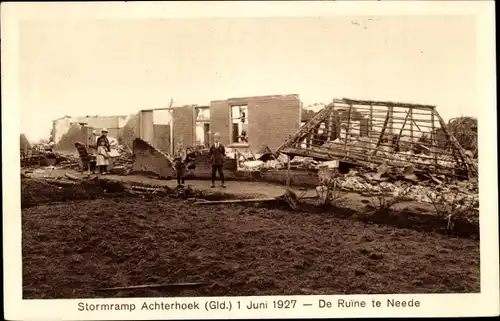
{"points": [[74, 248]]}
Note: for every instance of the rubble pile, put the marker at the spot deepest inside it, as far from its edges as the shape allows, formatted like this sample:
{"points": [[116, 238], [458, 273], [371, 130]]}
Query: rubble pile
{"points": [[124, 161], [400, 158], [422, 191], [69, 161], [281, 162]]}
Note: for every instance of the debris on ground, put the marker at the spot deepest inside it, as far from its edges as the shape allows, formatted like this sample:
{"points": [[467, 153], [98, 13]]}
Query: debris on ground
{"points": [[126, 241]]}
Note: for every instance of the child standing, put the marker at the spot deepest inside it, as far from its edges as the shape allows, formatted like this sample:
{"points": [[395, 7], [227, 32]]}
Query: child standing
{"points": [[180, 163], [102, 157]]}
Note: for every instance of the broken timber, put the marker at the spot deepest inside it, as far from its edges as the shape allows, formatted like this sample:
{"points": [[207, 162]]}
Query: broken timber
{"points": [[249, 200], [149, 286], [378, 132], [288, 197]]}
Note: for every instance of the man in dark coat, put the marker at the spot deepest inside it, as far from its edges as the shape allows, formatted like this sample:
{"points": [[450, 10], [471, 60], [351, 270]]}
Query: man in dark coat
{"points": [[217, 153]]}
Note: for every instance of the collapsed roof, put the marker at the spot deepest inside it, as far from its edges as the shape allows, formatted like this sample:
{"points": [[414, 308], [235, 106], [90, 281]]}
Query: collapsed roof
{"points": [[375, 132]]}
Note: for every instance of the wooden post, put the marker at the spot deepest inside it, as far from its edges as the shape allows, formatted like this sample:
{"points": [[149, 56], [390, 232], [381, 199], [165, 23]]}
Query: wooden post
{"points": [[171, 132], [391, 123], [193, 129], [382, 132], [305, 130], [348, 127], [330, 125], [371, 121], [402, 127], [411, 130], [288, 173], [433, 138], [465, 159]]}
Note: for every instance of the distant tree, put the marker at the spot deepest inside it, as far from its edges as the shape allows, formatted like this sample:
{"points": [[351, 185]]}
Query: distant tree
{"points": [[308, 114], [465, 131]]}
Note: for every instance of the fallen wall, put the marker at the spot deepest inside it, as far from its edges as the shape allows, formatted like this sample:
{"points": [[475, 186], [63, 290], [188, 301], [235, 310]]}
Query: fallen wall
{"points": [[61, 126], [150, 160], [67, 141], [129, 132]]}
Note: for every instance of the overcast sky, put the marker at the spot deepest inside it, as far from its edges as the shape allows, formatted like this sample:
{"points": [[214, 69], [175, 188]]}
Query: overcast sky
{"points": [[114, 67]]}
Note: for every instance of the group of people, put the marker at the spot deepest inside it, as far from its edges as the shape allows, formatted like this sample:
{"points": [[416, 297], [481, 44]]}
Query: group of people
{"points": [[103, 157], [217, 152], [182, 159]]}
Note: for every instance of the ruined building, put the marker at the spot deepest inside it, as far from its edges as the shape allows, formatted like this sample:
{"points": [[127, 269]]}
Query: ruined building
{"points": [[251, 121]]}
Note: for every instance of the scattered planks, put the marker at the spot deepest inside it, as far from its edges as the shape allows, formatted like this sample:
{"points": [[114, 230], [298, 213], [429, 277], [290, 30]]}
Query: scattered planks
{"points": [[146, 189], [72, 177], [140, 190], [288, 197], [59, 182], [248, 200], [150, 286]]}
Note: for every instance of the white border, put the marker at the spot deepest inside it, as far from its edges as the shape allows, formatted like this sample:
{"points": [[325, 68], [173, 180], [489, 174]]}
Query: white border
{"points": [[484, 304]]}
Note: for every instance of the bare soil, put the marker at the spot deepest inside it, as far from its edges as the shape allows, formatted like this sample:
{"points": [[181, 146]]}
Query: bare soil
{"points": [[74, 248]]}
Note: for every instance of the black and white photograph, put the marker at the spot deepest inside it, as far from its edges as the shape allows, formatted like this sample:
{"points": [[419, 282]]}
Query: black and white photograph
{"points": [[271, 158]]}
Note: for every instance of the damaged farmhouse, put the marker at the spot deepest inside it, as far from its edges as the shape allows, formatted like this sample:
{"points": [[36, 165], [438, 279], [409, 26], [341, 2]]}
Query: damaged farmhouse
{"points": [[372, 162], [236, 165]]}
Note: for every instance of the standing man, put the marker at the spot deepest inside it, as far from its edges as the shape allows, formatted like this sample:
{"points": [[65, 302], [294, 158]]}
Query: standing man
{"points": [[217, 153]]}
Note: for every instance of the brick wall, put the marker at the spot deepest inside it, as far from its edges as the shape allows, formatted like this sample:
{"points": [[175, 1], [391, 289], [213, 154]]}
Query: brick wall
{"points": [[129, 132], [183, 125], [302, 178], [161, 138], [271, 119], [112, 132], [98, 121], [146, 125], [67, 142], [219, 120], [149, 160]]}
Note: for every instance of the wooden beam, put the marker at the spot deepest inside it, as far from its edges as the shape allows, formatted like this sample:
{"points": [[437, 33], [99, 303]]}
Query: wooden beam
{"points": [[418, 127], [467, 161], [306, 130], [330, 125], [382, 132], [145, 286], [433, 139], [250, 200], [288, 173], [411, 130], [371, 120], [171, 133], [391, 123], [402, 127], [348, 126], [305, 153], [386, 103]]}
